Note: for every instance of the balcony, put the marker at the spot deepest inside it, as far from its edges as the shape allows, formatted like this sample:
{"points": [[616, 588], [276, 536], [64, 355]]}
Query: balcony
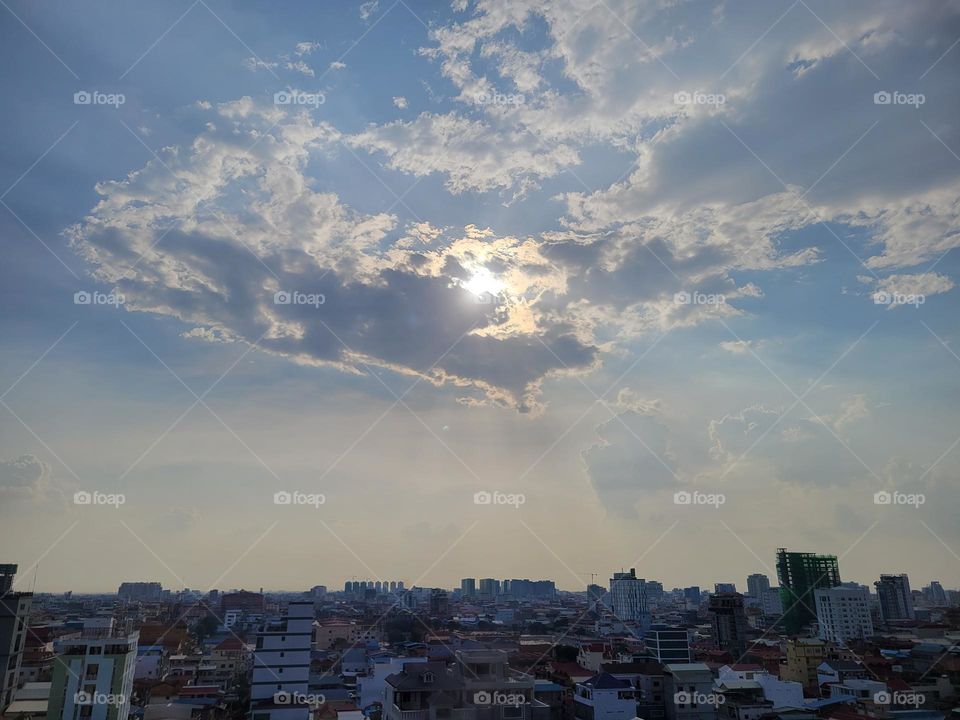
{"points": [[398, 714]]}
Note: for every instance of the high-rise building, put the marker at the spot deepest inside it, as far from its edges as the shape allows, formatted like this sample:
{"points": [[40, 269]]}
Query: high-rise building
{"points": [[393, 586], [770, 603], [729, 623], [843, 614], [281, 666], [468, 587], [14, 620], [756, 584], [724, 588], [654, 590], [934, 595], [896, 600], [692, 595], [140, 591], [93, 674], [529, 589], [628, 598], [800, 574], [668, 644], [596, 596], [489, 587]]}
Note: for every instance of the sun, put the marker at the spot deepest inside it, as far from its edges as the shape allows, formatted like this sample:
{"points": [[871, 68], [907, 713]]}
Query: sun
{"points": [[483, 282]]}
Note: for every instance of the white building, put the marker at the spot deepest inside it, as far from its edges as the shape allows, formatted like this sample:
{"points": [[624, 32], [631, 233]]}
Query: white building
{"points": [[93, 675], [281, 666], [770, 602], [843, 614], [373, 685], [687, 691], [605, 697], [782, 693], [628, 598]]}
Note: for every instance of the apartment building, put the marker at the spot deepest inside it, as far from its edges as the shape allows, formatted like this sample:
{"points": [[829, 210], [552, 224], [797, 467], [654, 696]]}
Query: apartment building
{"points": [[843, 614], [93, 674], [281, 666]]}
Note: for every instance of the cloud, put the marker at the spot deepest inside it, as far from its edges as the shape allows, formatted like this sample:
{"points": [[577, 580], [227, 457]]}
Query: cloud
{"points": [[896, 290], [384, 305], [632, 456], [25, 477], [400, 102]]}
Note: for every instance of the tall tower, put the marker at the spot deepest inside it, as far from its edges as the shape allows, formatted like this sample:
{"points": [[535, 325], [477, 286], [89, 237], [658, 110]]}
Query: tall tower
{"points": [[628, 597], [800, 574], [896, 600], [729, 623]]}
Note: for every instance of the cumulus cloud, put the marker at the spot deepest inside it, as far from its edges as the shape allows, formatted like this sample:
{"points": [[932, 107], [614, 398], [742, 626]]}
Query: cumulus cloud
{"points": [[24, 477], [400, 102], [632, 455]]}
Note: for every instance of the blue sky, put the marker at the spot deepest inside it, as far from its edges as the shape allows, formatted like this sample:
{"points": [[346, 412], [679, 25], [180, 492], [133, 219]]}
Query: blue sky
{"points": [[721, 239]]}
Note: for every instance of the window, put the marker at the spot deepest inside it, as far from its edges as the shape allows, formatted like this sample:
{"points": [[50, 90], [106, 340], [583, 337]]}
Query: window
{"points": [[94, 650], [92, 670]]}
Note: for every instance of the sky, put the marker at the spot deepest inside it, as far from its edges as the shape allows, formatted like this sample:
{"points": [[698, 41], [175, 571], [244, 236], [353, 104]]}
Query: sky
{"points": [[302, 293]]}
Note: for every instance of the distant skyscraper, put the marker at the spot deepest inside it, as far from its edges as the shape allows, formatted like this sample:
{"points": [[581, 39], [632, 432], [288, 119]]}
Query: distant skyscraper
{"points": [[140, 591], [843, 614], [724, 588], [393, 586], [692, 595], [896, 600], [628, 598], [756, 584], [654, 590], [933, 594], [468, 587], [770, 603], [596, 596], [729, 623], [14, 617], [489, 587], [800, 574]]}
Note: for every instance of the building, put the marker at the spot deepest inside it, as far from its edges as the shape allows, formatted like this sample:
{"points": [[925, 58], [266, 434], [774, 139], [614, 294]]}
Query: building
{"points": [[628, 598], [687, 688], [530, 589], [668, 644], [770, 603], [805, 655], [800, 574], [478, 685], [757, 584], [692, 596], [140, 591], [724, 588], [596, 595], [896, 600], [604, 697], [729, 623], [281, 666], [14, 621], [934, 595], [468, 587], [843, 614], [93, 674], [489, 588], [243, 601]]}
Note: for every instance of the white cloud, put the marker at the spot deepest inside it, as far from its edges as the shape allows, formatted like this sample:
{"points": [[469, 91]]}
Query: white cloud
{"points": [[400, 102]]}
